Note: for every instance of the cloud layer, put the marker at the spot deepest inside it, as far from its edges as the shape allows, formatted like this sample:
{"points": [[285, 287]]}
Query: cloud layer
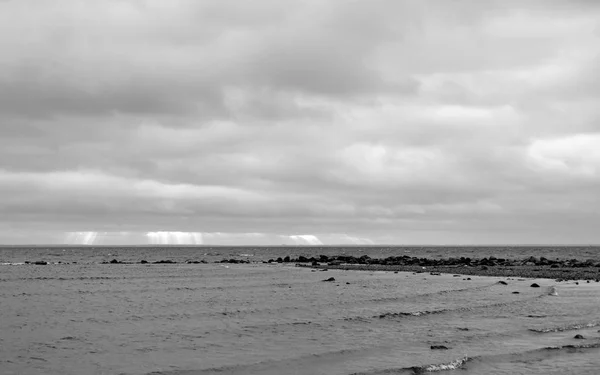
{"points": [[393, 121]]}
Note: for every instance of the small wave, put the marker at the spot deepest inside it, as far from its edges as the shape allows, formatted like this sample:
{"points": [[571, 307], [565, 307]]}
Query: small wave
{"points": [[423, 296], [486, 360], [595, 345], [571, 327], [246, 255], [442, 311], [456, 364], [438, 367]]}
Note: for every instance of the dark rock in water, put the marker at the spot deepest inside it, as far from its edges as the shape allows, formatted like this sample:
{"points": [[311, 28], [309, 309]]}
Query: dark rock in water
{"points": [[535, 285], [439, 347], [463, 329], [502, 282], [168, 261], [40, 263], [330, 279], [279, 260], [579, 337], [114, 261], [143, 262], [302, 259], [287, 259], [468, 278], [516, 292], [315, 263]]}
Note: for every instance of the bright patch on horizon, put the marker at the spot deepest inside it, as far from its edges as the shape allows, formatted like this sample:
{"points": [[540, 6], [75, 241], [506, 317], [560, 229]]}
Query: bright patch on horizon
{"points": [[175, 238], [209, 238]]}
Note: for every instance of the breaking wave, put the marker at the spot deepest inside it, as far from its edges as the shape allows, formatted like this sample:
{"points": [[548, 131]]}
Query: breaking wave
{"points": [[570, 327]]}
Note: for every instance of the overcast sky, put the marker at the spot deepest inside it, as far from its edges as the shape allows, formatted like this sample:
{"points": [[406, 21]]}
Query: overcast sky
{"points": [[406, 122]]}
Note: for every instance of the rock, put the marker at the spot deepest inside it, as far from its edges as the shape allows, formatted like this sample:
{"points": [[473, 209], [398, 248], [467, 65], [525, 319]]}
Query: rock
{"points": [[516, 292], [579, 337], [502, 282], [330, 279], [114, 261], [40, 263], [535, 285], [553, 291], [439, 347], [143, 262]]}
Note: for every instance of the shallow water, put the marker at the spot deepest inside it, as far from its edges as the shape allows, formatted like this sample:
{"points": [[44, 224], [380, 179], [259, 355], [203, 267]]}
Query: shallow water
{"points": [[276, 319]]}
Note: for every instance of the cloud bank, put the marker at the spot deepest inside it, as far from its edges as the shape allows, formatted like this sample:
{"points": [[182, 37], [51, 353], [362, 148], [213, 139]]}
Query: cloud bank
{"points": [[395, 122]]}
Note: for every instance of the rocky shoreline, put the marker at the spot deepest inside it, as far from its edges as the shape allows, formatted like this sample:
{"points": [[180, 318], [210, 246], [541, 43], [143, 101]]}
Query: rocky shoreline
{"points": [[532, 267]]}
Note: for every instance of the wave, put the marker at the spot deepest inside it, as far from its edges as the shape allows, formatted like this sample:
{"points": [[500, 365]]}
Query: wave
{"points": [[282, 366], [466, 362], [454, 365], [460, 309], [422, 296], [570, 327]]}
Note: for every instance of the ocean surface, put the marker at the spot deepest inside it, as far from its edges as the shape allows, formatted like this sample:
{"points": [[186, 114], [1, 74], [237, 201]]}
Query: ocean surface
{"points": [[184, 319]]}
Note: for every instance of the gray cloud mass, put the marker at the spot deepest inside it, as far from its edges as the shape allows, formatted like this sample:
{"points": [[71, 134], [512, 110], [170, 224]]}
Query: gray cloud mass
{"points": [[400, 122]]}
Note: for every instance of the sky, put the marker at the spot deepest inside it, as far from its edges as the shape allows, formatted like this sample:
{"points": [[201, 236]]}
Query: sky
{"points": [[300, 122]]}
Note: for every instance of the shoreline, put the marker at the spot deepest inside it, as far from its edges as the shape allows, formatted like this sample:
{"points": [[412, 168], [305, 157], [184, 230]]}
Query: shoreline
{"points": [[530, 272]]}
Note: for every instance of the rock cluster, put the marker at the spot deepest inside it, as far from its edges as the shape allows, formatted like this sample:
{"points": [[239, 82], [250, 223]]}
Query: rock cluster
{"points": [[406, 260]]}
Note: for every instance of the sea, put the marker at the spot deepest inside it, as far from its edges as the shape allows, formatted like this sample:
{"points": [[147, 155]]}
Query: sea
{"points": [[76, 315]]}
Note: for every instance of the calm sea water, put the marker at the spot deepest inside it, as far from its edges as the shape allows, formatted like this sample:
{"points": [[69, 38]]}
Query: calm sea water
{"points": [[88, 318], [91, 254]]}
